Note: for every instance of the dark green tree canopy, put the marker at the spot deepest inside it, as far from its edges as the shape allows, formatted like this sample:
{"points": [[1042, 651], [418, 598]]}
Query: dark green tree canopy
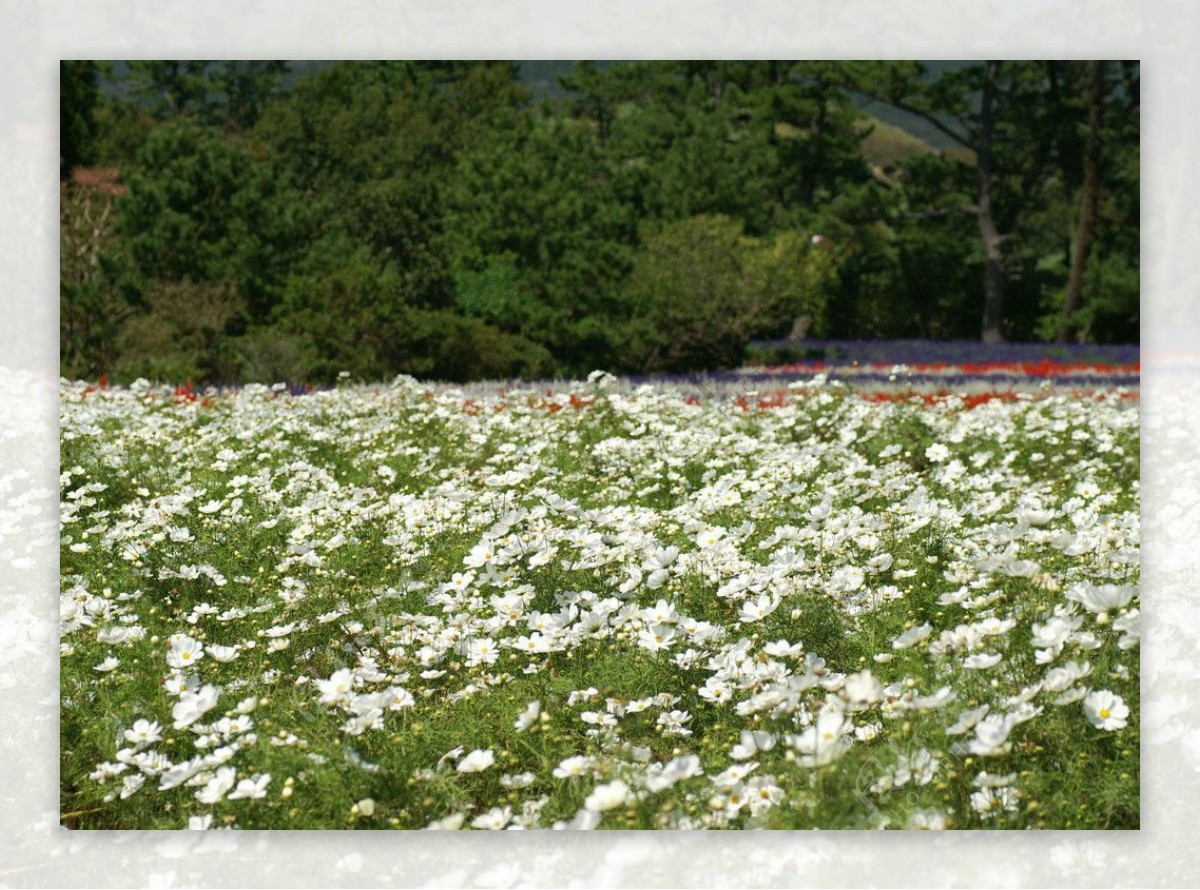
{"points": [[294, 220]]}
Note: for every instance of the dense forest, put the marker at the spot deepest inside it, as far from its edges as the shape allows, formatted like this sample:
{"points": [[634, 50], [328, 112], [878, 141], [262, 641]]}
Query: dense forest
{"points": [[268, 220]]}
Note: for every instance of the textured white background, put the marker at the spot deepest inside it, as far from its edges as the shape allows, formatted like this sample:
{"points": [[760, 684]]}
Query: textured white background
{"points": [[35, 852]]}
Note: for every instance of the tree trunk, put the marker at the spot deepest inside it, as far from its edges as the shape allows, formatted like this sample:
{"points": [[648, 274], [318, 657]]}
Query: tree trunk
{"points": [[1085, 229], [993, 241], [993, 280]]}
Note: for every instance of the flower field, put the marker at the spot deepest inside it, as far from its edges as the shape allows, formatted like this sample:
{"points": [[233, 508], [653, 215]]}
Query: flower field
{"points": [[787, 603]]}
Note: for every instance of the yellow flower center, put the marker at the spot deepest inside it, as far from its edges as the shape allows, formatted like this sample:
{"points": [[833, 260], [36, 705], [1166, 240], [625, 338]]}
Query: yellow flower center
{"points": [[1104, 712]]}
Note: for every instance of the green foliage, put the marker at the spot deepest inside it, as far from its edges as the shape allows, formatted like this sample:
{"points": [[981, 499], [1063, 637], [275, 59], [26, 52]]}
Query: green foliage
{"points": [[703, 289], [179, 334], [538, 196], [658, 216], [77, 99], [122, 129], [204, 208], [231, 94], [92, 302]]}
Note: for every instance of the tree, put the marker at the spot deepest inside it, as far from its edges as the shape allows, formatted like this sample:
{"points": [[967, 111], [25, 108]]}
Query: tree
{"points": [[79, 94], [1107, 205], [539, 194], [702, 289], [207, 209], [246, 88], [173, 88], [1006, 115], [1089, 202], [93, 304]]}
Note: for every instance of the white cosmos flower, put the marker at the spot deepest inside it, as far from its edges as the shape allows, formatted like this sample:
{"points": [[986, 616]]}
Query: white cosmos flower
{"points": [[1100, 599], [1061, 678], [494, 819], [216, 787], [937, 452], [194, 705], [1106, 711], [253, 788], [1129, 625], [757, 608], [734, 774], [572, 767], [1054, 632], [452, 822], [862, 690], [338, 687], [482, 554], [716, 690], [143, 732], [477, 761], [607, 797], [991, 736], [657, 637], [184, 652], [912, 636], [528, 716], [661, 776], [981, 661]]}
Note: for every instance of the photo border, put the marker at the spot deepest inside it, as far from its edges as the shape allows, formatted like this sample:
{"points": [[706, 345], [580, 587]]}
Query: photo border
{"points": [[34, 851]]}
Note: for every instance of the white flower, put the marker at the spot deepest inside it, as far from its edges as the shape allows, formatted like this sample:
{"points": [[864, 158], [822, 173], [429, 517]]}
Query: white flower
{"points": [[927, 820], [214, 790], [751, 742], [607, 797], [937, 452], [715, 690], [194, 705], [862, 690], [1101, 599], [991, 736], [477, 761], [144, 733], [1105, 710], [1129, 624], [184, 651], [981, 661], [365, 807], [662, 776], [732, 775], [109, 664], [572, 767], [1061, 678], [528, 716], [912, 636], [222, 654], [518, 780], [494, 819], [452, 822], [251, 789], [757, 608], [337, 687], [988, 801], [483, 553], [481, 651]]}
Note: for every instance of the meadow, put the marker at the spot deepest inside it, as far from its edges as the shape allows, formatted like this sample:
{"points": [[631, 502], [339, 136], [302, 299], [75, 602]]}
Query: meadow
{"points": [[779, 603]]}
